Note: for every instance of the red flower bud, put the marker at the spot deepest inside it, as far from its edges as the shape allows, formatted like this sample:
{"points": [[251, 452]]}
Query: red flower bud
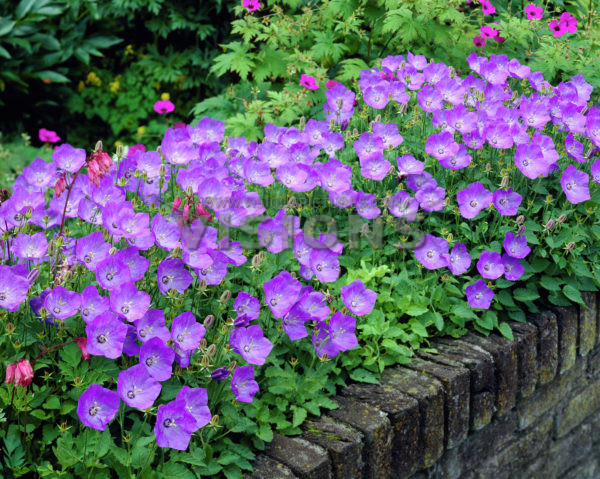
{"points": [[202, 212], [19, 373], [82, 343], [60, 186], [176, 203]]}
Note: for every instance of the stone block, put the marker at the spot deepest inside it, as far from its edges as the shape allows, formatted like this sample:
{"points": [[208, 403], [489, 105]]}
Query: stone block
{"points": [[482, 410], [547, 358], [306, 460], [588, 317], [377, 433], [264, 466], [578, 409], [567, 337], [455, 380], [403, 413], [504, 353], [429, 393], [342, 442], [526, 337]]}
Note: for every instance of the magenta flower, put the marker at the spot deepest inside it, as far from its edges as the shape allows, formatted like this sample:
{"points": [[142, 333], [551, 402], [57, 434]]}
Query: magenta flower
{"points": [[92, 304], [473, 199], [575, 185], [281, 293], [529, 159], [569, 22], [137, 388], [243, 384], [488, 32], [487, 8], [30, 247], [490, 265], [341, 331], [92, 250], [112, 273], [128, 302], [479, 295], [325, 264], [186, 332], [48, 136], [402, 205], [441, 145], [174, 424], [595, 171], [534, 12], [309, 82], [431, 197], [408, 165], [430, 250], [251, 5], [513, 269], [97, 406], [516, 245], [251, 344], [357, 298], [158, 359], [62, 303], [105, 336], [478, 41], [507, 202], [557, 28], [459, 259], [163, 106]]}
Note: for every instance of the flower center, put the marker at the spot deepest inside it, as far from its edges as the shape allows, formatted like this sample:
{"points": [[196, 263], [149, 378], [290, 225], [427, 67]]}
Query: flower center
{"points": [[94, 410], [168, 423], [125, 309], [101, 338], [130, 394]]}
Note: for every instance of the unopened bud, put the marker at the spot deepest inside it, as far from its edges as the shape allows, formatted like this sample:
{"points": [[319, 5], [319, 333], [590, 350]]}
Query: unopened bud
{"points": [[261, 255], [570, 246], [202, 286], [33, 275], [549, 225], [378, 118], [120, 151], [520, 220], [208, 321], [9, 328], [112, 251], [488, 167], [212, 351], [226, 296], [98, 146], [205, 361], [522, 230], [302, 123], [562, 218], [214, 422], [505, 182], [189, 190], [162, 171], [203, 343], [450, 238], [549, 199], [255, 261]]}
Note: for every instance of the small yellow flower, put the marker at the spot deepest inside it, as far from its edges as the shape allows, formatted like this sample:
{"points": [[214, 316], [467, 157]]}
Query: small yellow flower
{"points": [[118, 143], [114, 85], [141, 130], [80, 85], [165, 96], [129, 50], [93, 79]]}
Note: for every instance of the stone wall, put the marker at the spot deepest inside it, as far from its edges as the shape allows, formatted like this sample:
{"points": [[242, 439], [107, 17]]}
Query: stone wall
{"points": [[484, 407]]}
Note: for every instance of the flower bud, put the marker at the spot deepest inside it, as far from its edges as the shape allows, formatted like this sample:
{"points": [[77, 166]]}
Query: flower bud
{"points": [[82, 343], [98, 146], [203, 344], [208, 321], [505, 181], [212, 351], [522, 230], [261, 255], [520, 220], [488, 167], [162, 170], [19, 373], [214, 422], [570, 246], [226, 296], [450, 238], [112, 251], [202, 286], [256, 261], [549, 225], [562, 218], [205, 361], [120, 151], [33, 275], [9, 328]]}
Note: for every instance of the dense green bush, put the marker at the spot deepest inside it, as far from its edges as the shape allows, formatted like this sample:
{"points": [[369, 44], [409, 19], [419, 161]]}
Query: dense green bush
{"points": [[99, 66], [335, 39]]}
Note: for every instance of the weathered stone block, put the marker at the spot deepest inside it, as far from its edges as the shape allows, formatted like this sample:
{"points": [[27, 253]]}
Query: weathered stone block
{"points": [[403, 413], [342, 442], [504, 353], [547, 397], [589, 470], [567, 337], [526, 337], [306, 460], [482, 409], [456, 382], [377, 433], [578, 409], [547, 360], [264, 467], [429, 393], [587, 323]]}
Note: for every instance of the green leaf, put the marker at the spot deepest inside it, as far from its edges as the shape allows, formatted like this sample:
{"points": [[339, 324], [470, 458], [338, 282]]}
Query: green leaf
{"points": [[299, 416], [239, 60], [506, 331], [522, 294], [23, 8], [265, 433], [415, 310], [550, 283], [363, 376], [52, 403], [4, 52], [6, 26], [174, 470], [573, 294], [53, 76]]}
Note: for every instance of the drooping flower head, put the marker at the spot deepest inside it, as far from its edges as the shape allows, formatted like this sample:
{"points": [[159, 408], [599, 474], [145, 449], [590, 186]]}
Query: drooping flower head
{"points": [[243, 384], [357, 298], [97, 406]]}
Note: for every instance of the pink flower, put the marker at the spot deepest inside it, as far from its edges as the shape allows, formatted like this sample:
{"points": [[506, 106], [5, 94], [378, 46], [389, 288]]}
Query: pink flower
{"points": [[558, 28], [60, 187], [49, 136], [163, 106], [330, 84], [82, 343], [251, 5], [487, 8], [136, 147], [309, 82], [19, 373], [488, 32], [176, 126], [569, 22], [478, 41], [533, 12]]}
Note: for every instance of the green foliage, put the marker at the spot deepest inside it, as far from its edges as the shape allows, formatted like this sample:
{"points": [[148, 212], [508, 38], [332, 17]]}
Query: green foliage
{"points": [[335, 39]]}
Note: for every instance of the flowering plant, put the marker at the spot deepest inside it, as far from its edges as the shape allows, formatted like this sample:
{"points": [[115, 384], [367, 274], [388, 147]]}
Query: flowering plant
{"points": [[223, 283]]}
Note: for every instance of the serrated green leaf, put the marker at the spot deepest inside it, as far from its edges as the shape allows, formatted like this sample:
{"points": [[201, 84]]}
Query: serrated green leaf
{"points": [[573, 294]]}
